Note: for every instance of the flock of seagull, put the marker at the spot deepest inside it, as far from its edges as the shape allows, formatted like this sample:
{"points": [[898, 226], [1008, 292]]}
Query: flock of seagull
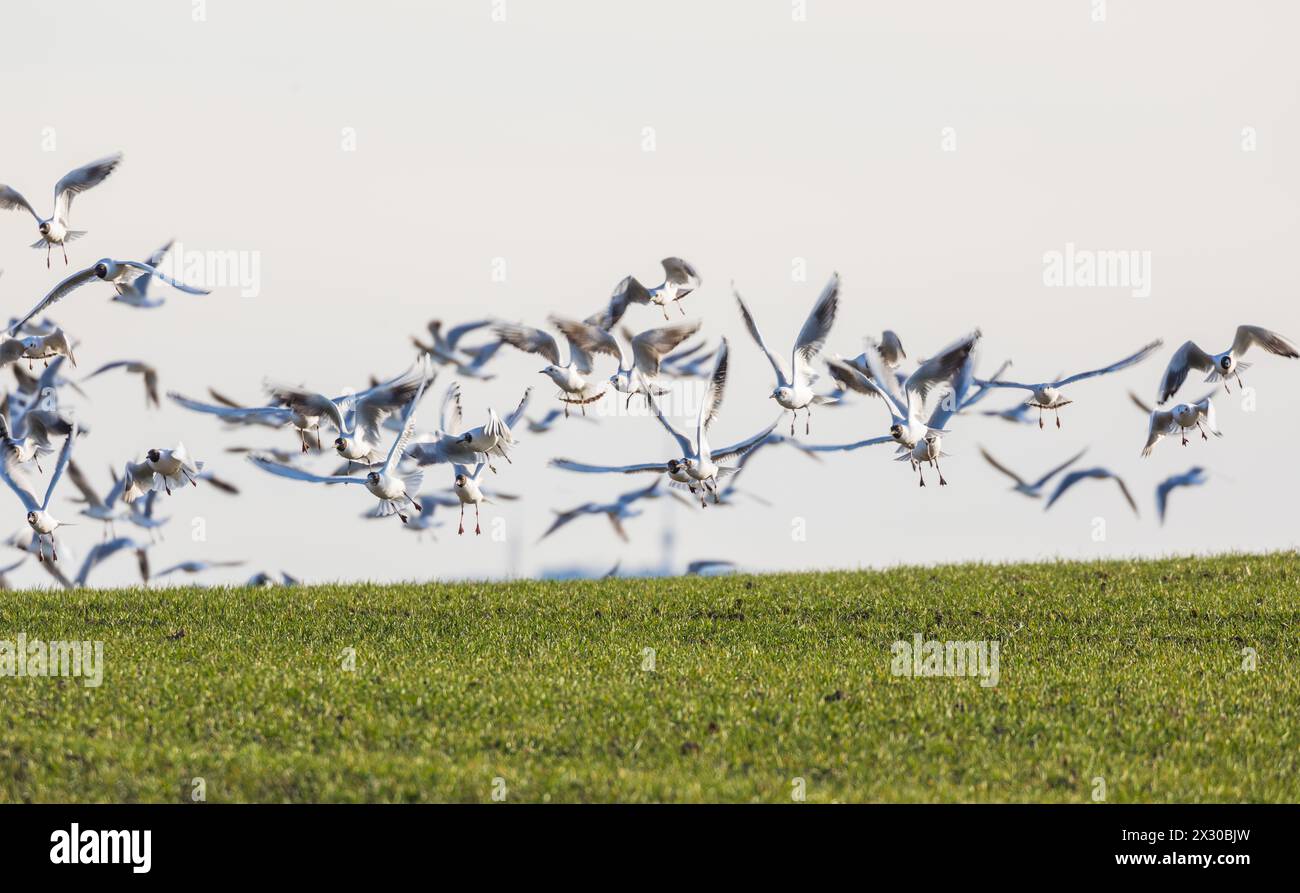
{"points": [[377, 443]]}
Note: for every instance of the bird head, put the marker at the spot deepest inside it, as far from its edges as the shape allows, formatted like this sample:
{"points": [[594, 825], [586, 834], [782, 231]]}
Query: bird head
{"points": [[460, 480], [896, 432], [340, 444], [1226, 363], [467, 438], [105, 269], [44, 228], [31, 518], [783, 393], [154, 455], [373, 477], [674, 466]]}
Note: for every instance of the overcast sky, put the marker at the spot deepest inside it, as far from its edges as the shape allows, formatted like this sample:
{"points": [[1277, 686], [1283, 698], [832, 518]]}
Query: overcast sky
{"points": [[376, 160]]}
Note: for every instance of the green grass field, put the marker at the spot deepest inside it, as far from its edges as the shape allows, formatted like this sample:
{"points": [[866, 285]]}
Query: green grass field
{"points": [[1128, 671]]}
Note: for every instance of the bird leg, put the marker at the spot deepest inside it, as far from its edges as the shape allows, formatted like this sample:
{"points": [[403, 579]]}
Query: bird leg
{"points": [[49, 246], [1040, 418], [1058, 416], [1239, 383], [64, 246], [807, 419], [793, 416], [477, 527], [942, 482], [188, 478], [920, 471], [462, 519], [54, 549], [680, 307], [302, 438], [1204, 436], [1183, 433]]}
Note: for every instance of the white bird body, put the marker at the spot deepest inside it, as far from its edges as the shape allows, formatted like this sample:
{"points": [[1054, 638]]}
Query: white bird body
{"points": [[1179, 420], [175, 467], [42, 523], [680, 279]]}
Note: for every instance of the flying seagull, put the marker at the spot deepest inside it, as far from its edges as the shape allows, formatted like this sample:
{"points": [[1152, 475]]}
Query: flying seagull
{"points": [[1194, 477], [1222, 366], [42, 523], [794, 380], [1199, 415], [1027, 488], [1091, 473], [55, 229], [1047, 394], [107, 270]]}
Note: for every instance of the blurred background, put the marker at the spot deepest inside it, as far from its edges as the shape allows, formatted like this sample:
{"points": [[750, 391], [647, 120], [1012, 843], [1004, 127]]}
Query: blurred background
{"points": [[381, 162]]}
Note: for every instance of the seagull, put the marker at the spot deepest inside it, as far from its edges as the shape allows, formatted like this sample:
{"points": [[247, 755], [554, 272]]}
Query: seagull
{"points": [[55, 229], [1222, 366], [175, 468], [1047, 394], [794, 381], [36, 347], [135, 367], [701, 465], [1199, 415], [468, 492], [358, 439], [636, 373], [107, 270], [571, 378], [546, 422], [949, 373], [680, 279], [105, 550], [495, 436], [196, 567], [447, 444], [675, 468], [1032, 490], [891, 350], [1097, 473], [1194, 477], [138, 479], [135, 292], [43, 524], [443, 347], [617, 511], [31, 420], [392, 488]]}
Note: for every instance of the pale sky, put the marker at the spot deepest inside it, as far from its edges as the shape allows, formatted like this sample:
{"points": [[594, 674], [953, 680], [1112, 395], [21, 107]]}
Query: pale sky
{"points": [[375, 159]]}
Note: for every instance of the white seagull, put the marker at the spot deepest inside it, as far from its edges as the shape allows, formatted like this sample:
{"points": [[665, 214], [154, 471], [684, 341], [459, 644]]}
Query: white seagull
{"points": [[794, 381], [107, 270], [1047, 394], [636, 373], [55, 229], [617, 511], [572, 378], [1199, 415], [1222, 366], [42, 523], [393, 489], [680, 279]]}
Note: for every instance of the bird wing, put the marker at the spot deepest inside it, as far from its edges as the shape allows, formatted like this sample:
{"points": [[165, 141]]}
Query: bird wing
{"points": [[1058, 469], [19, 487], [628, 291], [816, 329], [1000, 467], [65, 455], [712, 401], [740, 448], [570, 465], [512, 420], [1161, 423], [11, 200], [1129, 360], [1069, 481], [82, 483], [1248, 336], [784, 377], [1139, 402], [683, 442], [650, 346], [155, 260], [298, 474], [529, 340], [679, 272], [310, 402], [451, 416], [587, 339], [1205, 407], [847, 447], [455, 333], [1187, 357], [154, 271], [938, 371], [1123, 488], [78, 181], [248, 414], [60, 291], [892, 346]]}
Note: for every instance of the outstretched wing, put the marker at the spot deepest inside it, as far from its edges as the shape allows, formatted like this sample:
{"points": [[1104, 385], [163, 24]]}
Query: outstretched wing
{"points": [[11, 200], [816, 329], [650, 346], [1248, 336], [647, 467], [60, 291], [783, 374], [1114, 367], [298, 474], [64, 455], [529, 340], [1000, 467], [154, 271], [78, 181], [1186, 358]]}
